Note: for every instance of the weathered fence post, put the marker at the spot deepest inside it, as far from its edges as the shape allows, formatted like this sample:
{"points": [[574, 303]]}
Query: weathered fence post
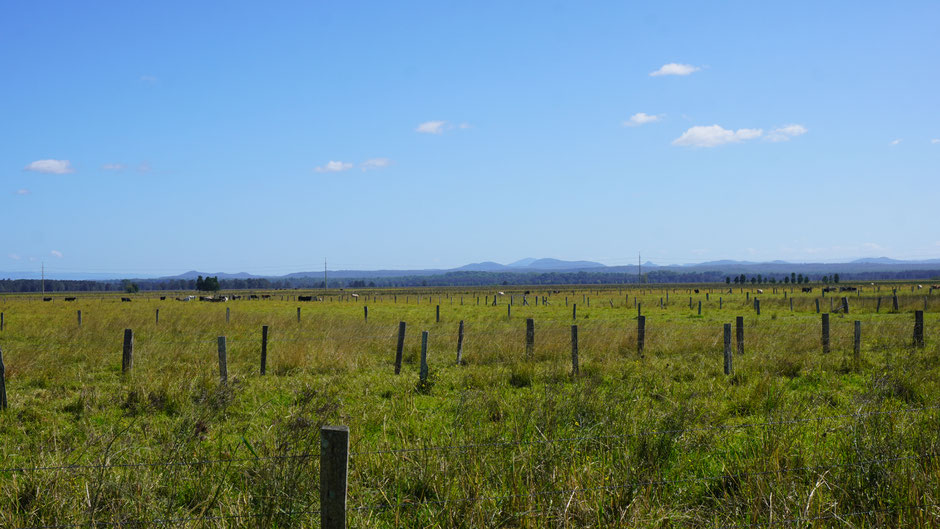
{"points": [[817, 305], [1, 321], [228, 314], [857, 344], [424, 358], [156, 317], [437, 313], [334, 466], [365, 313], [264, 349], [529, 336], [298, 314], [223, 361], [757, 306], [894, 302], [3, 383], [791, 304], [699, 308], [878, 307], [574, 311], [639, 308], [739, 333], [401, 346], [825, 333], [127, 358], [509, 311], [79, 318], [845, 305], [459, 342], [727, 328], [640, 334], [919, 328], [574, 350]]}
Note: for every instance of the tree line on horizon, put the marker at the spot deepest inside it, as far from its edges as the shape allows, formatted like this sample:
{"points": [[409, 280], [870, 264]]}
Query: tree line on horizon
{"points": [[452, 279]]}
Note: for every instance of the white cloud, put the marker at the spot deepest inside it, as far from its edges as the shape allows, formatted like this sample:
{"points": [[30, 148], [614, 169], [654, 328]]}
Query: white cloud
{"points": [[786, 132], [334, 167], [895, 142], [375, 163], [51, 166], [22, 191], [113, 167], [56, 253], [464, 126], [714, 135], [14, 256], [432, 127], [675, 69], [935, 140], [642, 118]]}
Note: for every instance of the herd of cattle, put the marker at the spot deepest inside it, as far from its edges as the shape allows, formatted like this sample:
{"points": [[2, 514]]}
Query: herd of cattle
{"points": [[217, 299]]}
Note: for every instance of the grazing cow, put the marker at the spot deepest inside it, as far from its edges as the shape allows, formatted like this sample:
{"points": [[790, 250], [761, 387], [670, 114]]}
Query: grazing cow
{"points": [[252, 296], [760, 291], [304, 298], [126, 300], [526, 293], [69, 299], [236, 297], [920, 287], [47, 299], [847, 289], [162, 298], [807, 289], [266, 296], [501, 293], [354, 295], [829, 289], [696, 291]]}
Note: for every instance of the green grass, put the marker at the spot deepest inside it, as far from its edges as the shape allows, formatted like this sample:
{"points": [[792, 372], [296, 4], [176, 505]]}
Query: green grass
{"points": [[659, 440]]}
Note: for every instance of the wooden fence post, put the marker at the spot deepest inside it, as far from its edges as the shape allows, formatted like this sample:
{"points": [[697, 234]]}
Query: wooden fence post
{"points": [[298, 314], [127, 358], [791, 304], [845, 305], [919, 328], [401, 346], [894, 302], [424, 357], [1, 321], [727, 329], [640, 334], [739, 333], [509, 311], [857, 344], [334, 466], [574, 350], [825, 333], [3, 383], [529, 336], [228, 314], [223, 361], [574, 311], [365, 313], [79, 318], [757, 306], [437, 313], [459, 342], [156, 318], [264, 349], [878, 308], [700, 308], [817, 305]]}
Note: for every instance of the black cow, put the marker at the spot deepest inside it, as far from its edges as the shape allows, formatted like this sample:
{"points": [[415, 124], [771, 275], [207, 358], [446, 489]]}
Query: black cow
{"points": [[69, 299], [304, 298], [807, 289], [696, 291], [126, 299], [266, 296], [252, 296], [847, 289], [47, 299], [162, 298]]}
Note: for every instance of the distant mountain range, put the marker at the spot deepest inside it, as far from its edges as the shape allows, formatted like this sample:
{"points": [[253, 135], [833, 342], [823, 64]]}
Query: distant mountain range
{"points": [[544, 265]]}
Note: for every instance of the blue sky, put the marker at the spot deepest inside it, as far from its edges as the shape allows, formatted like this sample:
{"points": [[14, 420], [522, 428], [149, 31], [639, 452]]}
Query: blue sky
{"points": [[155, 138]]}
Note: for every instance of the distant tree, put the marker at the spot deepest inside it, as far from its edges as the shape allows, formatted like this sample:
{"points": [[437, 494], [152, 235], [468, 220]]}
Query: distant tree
{"points": [[200, 283], [760, 279], [211, 284], [835, 278], [786, 280], [799, 279], [130, 287], [825, 279], [753, 280], [743, 279], [728, 280], [792, 277], [737, 279]]}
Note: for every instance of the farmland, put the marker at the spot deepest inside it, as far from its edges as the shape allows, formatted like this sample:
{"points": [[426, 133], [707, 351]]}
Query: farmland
{"points": [[510, 437]]}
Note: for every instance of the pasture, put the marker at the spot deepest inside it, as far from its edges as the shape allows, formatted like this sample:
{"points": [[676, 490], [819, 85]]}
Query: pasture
{"points": [[509, 437]]}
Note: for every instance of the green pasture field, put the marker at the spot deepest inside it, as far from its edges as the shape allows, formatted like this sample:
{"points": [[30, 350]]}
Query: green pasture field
{"points": [[664, 438]]}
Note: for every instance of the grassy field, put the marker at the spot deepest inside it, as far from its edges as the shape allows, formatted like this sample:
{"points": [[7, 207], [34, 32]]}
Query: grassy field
{"points": [[659, 439]]}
